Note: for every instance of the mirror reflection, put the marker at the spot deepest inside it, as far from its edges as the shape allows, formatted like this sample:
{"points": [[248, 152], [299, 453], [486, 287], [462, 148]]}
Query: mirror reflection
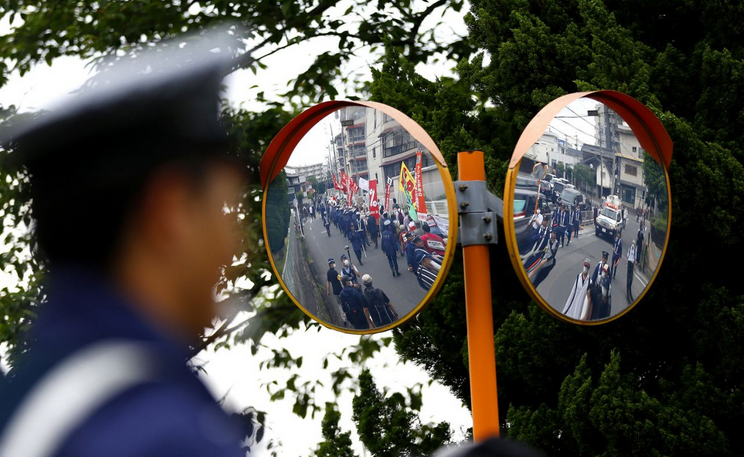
{"points": [[590, 213], [357, 221]]}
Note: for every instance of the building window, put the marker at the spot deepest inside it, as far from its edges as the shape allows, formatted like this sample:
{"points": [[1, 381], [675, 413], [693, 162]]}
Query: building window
{"points": [[631, 170], [635, 149], [374, 152]]}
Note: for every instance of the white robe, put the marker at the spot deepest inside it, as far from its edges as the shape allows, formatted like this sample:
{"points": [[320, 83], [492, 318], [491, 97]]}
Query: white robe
{"points": [[577, 298]]}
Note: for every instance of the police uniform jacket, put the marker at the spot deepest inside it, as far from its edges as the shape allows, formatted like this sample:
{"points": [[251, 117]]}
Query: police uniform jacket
{"points": [[167, 411]]}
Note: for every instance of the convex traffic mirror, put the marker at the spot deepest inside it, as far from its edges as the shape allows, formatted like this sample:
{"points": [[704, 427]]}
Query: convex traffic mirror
{"points": [[359, 215], [587, 205]]}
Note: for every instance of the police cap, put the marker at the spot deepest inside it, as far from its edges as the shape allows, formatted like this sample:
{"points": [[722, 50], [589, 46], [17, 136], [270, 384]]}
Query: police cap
{"points": [[88, 159], [158, 106]]}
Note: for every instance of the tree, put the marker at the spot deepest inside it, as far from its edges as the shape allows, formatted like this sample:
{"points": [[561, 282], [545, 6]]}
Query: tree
{"points": [[585, 176], [387, 425], [337, 443], [93, 29], [624, 387]]}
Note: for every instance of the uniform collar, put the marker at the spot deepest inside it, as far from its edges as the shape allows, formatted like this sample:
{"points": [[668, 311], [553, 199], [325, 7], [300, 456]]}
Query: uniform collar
{"points": [[85, 307]]}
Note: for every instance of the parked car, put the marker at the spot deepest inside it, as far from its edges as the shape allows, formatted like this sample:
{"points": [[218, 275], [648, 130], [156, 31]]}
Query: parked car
{"points": [[571, 196], [525, 203], [558, 187]]}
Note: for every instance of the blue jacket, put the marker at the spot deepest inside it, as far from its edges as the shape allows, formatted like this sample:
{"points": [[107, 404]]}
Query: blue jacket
{"points": [[172, 414], [389, 242]]}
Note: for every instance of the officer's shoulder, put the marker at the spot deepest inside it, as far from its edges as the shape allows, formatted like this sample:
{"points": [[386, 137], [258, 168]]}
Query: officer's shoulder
{"points": [[157, 418]]}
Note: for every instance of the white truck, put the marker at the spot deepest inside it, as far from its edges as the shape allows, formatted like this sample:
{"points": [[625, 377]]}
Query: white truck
{"points": [[609, 220]]}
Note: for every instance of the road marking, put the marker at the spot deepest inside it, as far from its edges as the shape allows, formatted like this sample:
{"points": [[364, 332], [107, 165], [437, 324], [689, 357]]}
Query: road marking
{"points": [[640, 279]]}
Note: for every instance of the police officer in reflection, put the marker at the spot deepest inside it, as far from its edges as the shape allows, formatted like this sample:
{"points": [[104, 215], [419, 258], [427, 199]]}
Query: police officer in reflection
{"points": [[617, 253], [570, 215], [327, 223], [378, 304], [354, 306], [333, 281], [373, 229], [389, 245], [600, 289], [631, 263], [128, 181], [356, 244], [577, 221]]}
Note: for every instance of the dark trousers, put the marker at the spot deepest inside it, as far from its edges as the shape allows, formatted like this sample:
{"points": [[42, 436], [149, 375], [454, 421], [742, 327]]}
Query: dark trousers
{"points": [[615, 260], [393, 261], [328, 229], [358, 253], [570, 231], [630, 282]]}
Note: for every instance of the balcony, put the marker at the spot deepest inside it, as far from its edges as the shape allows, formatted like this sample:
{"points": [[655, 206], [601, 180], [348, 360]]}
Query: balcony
{"points": [[399, 149]]}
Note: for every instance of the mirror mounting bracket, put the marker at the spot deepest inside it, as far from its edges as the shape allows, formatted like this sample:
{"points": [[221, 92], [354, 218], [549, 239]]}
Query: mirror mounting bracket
{"points": [[478, 210]]}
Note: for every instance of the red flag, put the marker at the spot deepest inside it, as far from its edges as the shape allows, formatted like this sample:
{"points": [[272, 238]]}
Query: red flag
{"points": [[374, 208], [419, 197], [344, 181], [354, 187], [336, 185]]}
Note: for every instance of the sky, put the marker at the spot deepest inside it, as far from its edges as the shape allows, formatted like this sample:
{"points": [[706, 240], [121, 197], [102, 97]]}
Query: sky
{"points": [[234, 373]]}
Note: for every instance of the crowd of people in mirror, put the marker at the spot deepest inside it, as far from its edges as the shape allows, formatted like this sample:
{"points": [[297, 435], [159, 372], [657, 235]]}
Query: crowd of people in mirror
{"points": [[420, 246], [591, 295]]}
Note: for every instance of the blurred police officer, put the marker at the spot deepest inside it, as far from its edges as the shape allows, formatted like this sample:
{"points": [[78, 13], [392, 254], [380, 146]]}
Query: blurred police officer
{"points": [[380, 309], [128, 186], [354, 306], [389, 245]]}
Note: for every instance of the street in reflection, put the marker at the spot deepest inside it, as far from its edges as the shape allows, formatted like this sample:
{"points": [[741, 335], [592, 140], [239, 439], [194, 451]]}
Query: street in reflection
{"points": [[590, 213], [357, 221]]}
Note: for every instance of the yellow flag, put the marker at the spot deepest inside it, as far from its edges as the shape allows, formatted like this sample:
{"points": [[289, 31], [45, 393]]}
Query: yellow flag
{"points": [[406, 181]]}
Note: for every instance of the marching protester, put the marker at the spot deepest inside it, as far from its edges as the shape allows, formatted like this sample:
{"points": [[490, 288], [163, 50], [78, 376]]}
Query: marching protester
{"points": [[389, 245], [579, 296], [348, 269], [362, 228], [424, 264], [410, 250], [354, 306], [433, 243], [380, 308]]}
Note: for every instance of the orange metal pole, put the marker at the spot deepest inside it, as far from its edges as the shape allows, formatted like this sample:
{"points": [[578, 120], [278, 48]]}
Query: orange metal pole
{"points": [[481, 353]]}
